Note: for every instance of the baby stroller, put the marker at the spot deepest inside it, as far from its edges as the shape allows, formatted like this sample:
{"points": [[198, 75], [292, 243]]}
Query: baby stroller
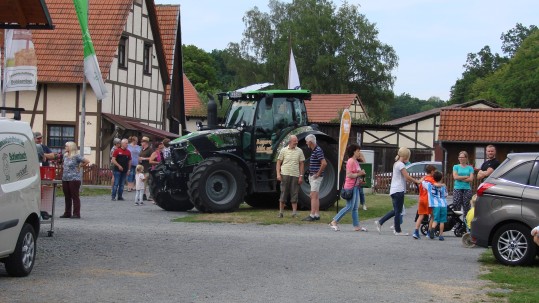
{"points": [[453, 222]]}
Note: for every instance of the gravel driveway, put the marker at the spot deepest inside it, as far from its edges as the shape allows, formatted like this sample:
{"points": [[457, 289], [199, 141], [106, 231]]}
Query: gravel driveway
{"points": [[119, 252]]}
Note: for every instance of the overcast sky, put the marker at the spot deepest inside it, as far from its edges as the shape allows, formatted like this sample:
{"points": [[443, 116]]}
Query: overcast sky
{"points": [[431, 37]]}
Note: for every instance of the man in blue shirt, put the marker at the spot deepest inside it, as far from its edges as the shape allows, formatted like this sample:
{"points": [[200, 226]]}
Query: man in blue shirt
{"points": [[317, 165]]}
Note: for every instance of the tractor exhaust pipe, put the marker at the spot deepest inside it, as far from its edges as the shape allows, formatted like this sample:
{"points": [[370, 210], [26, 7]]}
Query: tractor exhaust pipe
{"points": [[212, 112]]}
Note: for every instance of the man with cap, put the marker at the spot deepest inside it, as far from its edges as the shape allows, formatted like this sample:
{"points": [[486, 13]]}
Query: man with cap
{"points": [[144, 160], [44, 153]]}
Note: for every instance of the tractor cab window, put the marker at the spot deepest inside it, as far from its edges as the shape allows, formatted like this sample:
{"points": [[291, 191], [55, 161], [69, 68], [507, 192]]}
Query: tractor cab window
{"points": [[282, 114], [300, 112], [241, 111]]}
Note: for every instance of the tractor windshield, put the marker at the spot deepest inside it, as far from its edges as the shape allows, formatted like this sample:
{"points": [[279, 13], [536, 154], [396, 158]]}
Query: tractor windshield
{"points": [[241, 111]]}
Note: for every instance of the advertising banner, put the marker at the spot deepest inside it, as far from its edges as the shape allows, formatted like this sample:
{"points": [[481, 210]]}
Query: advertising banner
{"points": [[20, 61], [346, 125]]}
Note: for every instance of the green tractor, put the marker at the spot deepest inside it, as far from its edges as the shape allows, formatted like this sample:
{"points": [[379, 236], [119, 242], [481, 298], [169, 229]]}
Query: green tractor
{"points": [[217, 168]]}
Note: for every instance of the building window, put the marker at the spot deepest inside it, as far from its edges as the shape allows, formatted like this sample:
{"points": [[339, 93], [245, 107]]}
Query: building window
{"points": [[122, 52], [58, 135], [479, 156], [147, 58]]}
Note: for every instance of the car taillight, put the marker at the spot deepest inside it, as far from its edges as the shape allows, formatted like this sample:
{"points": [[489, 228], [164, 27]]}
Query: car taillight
{"points": [[482, 187]]}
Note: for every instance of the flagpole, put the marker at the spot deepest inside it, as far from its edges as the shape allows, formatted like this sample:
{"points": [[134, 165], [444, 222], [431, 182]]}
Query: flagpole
{"points": [[83, 108], [4, 78]]}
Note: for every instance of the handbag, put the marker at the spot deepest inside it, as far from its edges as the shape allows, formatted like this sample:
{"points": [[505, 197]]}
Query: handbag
{"points": [[347, 194]]}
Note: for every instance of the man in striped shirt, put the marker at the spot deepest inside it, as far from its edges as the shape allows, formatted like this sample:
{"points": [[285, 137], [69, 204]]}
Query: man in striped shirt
{"points": [[317, 165]]}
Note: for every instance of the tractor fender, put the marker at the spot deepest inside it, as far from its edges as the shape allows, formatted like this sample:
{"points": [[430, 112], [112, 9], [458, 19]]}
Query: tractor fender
{"points": [[320, 136]]}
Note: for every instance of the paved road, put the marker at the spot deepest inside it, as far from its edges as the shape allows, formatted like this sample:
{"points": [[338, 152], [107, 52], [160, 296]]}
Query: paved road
{"points": [[122, 253]]}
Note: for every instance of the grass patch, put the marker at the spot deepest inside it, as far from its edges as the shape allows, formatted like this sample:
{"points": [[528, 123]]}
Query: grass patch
{"points": [[378, 205], [520, 281]]}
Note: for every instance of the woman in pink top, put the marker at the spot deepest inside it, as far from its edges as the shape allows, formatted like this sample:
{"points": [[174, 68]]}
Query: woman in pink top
{"points": [[351, 182]]}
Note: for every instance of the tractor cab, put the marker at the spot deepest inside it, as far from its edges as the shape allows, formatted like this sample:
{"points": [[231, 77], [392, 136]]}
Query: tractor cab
{"points": [[265, 118]]}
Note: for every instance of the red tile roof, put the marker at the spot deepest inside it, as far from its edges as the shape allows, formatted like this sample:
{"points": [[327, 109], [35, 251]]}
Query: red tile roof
{"points": [[495, 125], [167, 16], [323, 108], [59, 51], [193, 104]]}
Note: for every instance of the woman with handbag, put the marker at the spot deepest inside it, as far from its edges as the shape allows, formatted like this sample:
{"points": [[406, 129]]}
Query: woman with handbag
{"points": [[350, 189]]}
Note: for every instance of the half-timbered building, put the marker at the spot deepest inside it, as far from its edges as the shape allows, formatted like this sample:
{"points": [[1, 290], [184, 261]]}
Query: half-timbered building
{"points": [[130, 53], [418, 132]]}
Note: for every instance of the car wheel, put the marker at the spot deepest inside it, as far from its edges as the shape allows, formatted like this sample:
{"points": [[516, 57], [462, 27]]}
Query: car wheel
{"points": [[512, 244], [21, 261]]}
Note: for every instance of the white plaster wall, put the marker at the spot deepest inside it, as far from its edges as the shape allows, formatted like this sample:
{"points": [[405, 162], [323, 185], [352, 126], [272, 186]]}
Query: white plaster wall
{"points": [[410, 126], [132, 48], [137, 12], [426, 124], [61, 103], [368, 138], [132, 76], [113, 71], [425, 138], [405, 142], [147, 80], [27, 99], [122, 75]]}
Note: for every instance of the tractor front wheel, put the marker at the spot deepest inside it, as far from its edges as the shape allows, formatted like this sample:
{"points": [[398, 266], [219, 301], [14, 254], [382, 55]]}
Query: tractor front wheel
{"points": [[217, 185]]}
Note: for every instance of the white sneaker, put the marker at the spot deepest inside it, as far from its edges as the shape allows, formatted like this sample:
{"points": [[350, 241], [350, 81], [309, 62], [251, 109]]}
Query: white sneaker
{"points": [[392, 227], [378, 227], [364, 207], [400, 234]]}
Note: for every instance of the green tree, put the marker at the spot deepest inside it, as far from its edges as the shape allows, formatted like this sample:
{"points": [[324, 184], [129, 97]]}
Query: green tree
{"points": [[515, 84], [477, 66], [484, 64], [406, 105], [514, 37], [337, 50], [201, 69]]}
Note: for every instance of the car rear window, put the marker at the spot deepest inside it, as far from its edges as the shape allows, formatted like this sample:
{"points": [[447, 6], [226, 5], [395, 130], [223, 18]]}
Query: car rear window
{"points": [[520, 174]]}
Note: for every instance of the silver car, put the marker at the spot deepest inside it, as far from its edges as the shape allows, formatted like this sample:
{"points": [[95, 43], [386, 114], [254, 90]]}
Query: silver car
{"points": [[507, 209]]}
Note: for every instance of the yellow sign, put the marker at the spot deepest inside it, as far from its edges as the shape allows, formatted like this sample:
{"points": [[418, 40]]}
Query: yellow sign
{"points": [[346, 125]]}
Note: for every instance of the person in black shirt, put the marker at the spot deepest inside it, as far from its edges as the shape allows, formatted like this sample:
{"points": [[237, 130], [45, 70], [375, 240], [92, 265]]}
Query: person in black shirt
{"points": [[490, 165]]}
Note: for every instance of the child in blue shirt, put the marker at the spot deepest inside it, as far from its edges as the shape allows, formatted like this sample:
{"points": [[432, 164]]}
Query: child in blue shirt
{"points": [[437, 200]]}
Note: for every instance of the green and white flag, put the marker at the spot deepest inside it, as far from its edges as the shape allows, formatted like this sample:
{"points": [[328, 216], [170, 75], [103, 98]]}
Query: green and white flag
{"points": [[91, 66]]}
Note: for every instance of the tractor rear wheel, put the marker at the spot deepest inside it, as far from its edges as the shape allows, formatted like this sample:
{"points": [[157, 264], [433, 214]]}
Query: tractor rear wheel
{"points": [[328, 193], [217, 185]]}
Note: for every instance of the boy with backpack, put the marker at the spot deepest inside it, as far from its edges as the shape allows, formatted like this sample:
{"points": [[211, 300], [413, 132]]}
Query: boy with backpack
{"points": [[438, 202]]}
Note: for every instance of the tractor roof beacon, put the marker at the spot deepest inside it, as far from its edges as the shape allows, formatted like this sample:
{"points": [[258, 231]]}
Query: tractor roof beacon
{"points": [[218, 167]]}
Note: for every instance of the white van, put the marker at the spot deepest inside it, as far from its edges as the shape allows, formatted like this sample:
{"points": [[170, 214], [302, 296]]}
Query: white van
{"points": [[20, 196]]}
